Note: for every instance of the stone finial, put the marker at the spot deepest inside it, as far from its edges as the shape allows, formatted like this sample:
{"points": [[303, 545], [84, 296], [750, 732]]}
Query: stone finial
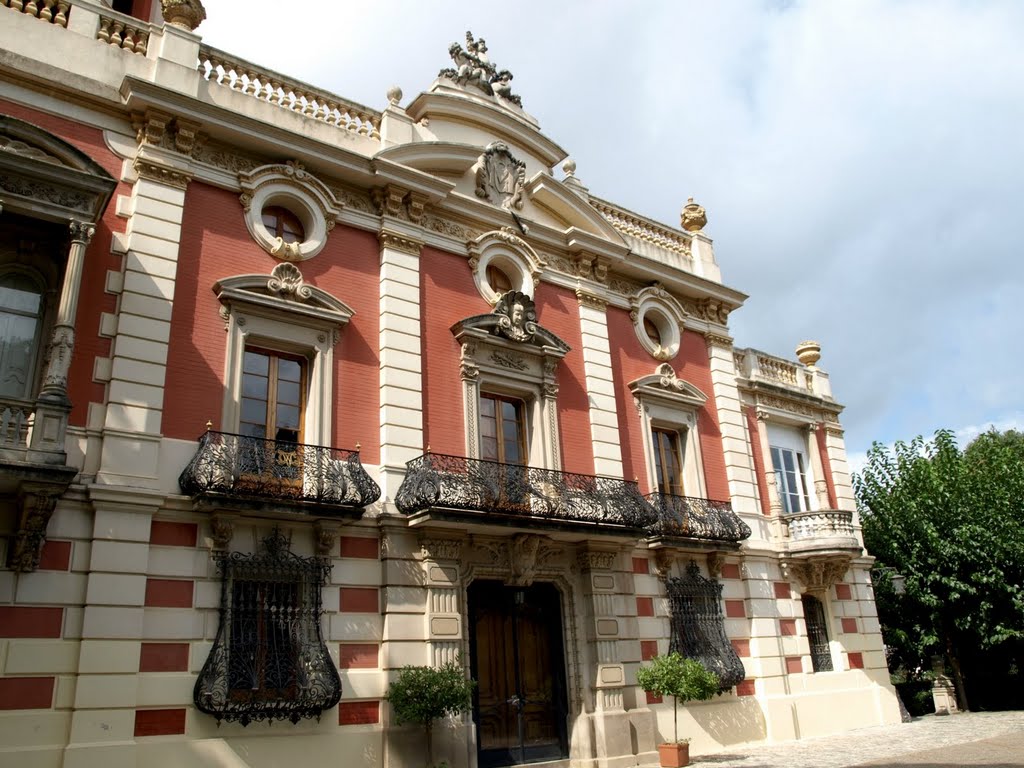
{"points": [[693, 217], [569, 166], [183, 13], [394, 95], [809, 353]]}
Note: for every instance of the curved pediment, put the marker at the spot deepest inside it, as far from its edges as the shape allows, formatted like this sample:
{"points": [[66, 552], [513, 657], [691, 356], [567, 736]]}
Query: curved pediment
{"points": [[515, 319], [45, 177], [446, 158], [664, 384], [284, 291]]}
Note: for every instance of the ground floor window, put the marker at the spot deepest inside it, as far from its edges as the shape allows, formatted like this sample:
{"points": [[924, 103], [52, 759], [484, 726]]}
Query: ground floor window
{"points": [[817, 634], [269, 661], [698, 626]]}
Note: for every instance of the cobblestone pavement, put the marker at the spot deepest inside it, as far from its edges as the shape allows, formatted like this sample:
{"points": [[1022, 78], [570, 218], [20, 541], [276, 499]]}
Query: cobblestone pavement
{"points": [[989, 739]]}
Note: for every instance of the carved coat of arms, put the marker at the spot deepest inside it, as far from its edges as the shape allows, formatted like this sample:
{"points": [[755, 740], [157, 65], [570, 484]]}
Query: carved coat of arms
{"points": [[500, 177]]}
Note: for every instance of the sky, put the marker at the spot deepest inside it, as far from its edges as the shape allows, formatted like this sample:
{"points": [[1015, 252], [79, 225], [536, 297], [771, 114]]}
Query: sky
{"points": [[861, 162]]}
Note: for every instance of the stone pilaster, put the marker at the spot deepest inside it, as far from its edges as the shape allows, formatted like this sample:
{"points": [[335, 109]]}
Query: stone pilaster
{"points": [[597, 366], [401, 378]]}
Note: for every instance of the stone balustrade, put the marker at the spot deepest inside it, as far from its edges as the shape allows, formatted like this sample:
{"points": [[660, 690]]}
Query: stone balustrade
{"points": [[50, 11], [123, 32], [822, 524], [753, 364], [15, 422], [273, 88], [649, 232]]}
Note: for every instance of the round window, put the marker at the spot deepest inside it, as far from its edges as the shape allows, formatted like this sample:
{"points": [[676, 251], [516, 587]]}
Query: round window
{"points": [[651, 329], [280, 222], [498, 280]]}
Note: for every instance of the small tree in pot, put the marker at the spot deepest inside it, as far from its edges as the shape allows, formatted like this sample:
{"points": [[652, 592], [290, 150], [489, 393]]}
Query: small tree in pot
{"points": [[424, 694], [684, 680]]}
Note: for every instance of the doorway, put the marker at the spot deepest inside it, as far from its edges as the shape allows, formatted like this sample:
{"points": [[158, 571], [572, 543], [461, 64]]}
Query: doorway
{"points": [[516, 656]]}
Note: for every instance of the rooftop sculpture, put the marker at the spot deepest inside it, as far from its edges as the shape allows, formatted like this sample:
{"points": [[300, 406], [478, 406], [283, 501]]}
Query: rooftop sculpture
{"points": [[474, 68]]}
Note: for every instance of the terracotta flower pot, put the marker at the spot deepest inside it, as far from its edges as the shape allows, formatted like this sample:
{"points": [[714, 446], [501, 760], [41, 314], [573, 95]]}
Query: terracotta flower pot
{"points": [[674, 755]]}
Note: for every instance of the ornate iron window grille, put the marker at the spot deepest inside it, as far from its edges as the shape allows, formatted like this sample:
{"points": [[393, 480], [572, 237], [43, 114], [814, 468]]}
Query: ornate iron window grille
{"points": [[698, 627], [237, 465], [690, 517], [457, 482], [269, 661], [817, 634]]}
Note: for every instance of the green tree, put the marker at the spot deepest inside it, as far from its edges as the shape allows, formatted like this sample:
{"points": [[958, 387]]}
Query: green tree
{"points": [[952, 522], [422, 695], [682, 679]]}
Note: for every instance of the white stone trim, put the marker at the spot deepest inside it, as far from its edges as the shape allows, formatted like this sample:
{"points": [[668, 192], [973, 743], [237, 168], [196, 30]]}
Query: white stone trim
{"points": [[510, 253], [656, 304], [294, 188], [604, 415]]}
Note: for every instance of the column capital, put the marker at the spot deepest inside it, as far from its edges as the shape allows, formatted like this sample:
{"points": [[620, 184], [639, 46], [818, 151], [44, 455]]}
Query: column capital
{"points": [[399, 242], [154, 171], [590, 300], [81, 231]]}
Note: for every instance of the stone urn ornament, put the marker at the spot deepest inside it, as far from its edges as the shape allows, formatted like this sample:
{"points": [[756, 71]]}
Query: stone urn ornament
{"points": [[183, 13], [809, 353]]}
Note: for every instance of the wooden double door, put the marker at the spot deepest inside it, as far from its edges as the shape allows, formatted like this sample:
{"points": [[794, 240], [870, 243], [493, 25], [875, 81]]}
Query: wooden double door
{"points": [[517, 658], [520, 706]]}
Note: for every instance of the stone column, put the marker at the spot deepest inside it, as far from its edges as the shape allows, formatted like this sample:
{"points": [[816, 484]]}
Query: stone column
{"points": [[597, 366], [401, 377], [53, 405], [820, 485], [774, 501]]}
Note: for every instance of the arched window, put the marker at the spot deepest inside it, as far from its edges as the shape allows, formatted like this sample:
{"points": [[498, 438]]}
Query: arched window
{"points": [[21, 309]]}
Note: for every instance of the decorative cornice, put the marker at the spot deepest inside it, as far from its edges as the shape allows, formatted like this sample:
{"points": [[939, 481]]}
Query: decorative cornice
{"points": [[147, 169], [714, 339], [590, 300], [399, 242]]}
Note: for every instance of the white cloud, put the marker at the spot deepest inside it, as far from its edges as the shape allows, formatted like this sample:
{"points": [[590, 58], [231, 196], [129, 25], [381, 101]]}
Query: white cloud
{"points": [[860, 161]]}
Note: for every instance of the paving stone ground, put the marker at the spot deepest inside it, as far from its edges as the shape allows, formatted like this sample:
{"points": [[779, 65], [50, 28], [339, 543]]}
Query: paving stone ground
{"points": [[989, 739]]}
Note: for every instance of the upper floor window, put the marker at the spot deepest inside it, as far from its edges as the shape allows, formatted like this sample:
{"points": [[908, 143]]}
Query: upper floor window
{"points": [[668, 461], [280, 222], [791, 479], [21, 304], [502, 429], [273, 396]]}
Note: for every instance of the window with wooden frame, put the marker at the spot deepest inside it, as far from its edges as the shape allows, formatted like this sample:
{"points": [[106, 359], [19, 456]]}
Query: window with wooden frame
{"points": [[668, 461], [280, 222], [502, 429], [272, 416]]}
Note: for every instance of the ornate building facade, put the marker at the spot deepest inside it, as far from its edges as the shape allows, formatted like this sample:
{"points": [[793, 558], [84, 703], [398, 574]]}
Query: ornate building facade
{"points": [[295, 392]]}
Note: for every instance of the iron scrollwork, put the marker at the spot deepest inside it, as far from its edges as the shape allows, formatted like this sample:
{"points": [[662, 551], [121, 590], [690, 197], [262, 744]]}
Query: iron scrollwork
{"points": [[694, 518], [269, 661], [698, 627], [457, 482], [238, 465]]}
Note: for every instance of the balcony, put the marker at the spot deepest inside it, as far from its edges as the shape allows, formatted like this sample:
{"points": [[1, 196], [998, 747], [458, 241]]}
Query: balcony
{"points": [[250, 473], [690, 518], [822, 532], [460, 490]]}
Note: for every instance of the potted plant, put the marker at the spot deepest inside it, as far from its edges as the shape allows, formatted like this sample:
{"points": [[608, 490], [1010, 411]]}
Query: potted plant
{"points": [[424, 694], [684, 680]]}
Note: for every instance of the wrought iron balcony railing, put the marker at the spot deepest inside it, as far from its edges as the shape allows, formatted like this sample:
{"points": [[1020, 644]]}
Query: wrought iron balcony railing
{"points": [[455, 482], [274, 470], [693, 518]]}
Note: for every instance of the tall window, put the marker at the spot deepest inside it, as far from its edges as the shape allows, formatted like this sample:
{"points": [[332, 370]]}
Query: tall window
{"points": [[502, 429], [791, 479], [817, 634], [668, 461], [273, 396], [21, 303]]}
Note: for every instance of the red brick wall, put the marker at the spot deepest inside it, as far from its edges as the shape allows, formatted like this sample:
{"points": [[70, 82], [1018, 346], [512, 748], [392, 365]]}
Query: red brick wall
{"points": [[216, 244], [448, 294], [98, 259], [630, 361]]}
